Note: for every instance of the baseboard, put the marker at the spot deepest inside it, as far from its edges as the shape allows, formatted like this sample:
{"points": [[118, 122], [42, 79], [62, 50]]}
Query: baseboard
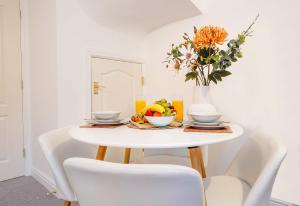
{"points": [[276, 202], [45, 180]]}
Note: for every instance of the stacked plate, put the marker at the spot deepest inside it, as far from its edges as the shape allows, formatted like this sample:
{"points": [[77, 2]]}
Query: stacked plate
{"points": [[206, 125], [206, 121], [106, 118]]}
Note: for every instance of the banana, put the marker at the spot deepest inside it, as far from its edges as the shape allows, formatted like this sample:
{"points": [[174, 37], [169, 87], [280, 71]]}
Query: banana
{"points": [[156, 108], [144, 111]]}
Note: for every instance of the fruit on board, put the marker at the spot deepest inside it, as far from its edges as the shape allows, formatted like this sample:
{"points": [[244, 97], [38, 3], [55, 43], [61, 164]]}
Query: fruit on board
{"points": [[156, 114], [149, 113], [139, 118], [156, 108]]}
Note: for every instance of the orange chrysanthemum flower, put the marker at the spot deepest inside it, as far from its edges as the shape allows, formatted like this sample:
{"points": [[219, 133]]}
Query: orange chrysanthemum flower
{"points": [[209, 36]]}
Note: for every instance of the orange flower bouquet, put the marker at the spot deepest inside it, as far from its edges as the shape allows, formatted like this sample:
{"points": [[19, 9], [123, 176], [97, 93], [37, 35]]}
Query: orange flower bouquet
{"points": [[203, 58]]}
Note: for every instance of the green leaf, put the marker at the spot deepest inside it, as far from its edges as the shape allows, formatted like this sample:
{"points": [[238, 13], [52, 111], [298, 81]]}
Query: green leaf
{"points": [[241, 38], [191, 76], [213, 79], [215, 65], [234, 50], [176, 53], [224, 73], [218, 77], [215, 58], [233, 59], [239, 54], [223, 53]]}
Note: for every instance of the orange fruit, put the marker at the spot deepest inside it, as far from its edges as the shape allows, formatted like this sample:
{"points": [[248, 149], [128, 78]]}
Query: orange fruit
{"points": [[156, 114]]}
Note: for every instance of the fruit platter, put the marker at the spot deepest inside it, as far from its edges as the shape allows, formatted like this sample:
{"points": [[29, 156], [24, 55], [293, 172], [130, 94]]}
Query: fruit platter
{"points": [[159, 114]]}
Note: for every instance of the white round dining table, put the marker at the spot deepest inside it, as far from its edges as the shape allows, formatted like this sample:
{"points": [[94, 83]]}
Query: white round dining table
{"points": [[125, 137]]}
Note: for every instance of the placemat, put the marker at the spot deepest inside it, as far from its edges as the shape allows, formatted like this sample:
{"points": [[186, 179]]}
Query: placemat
{"points": [[226, 129]]}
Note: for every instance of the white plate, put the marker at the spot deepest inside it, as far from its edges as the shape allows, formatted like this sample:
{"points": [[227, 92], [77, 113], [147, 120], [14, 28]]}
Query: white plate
{"points": [[106, 115], [99, 123], [208, 127], [107, 120], [207, 123]]}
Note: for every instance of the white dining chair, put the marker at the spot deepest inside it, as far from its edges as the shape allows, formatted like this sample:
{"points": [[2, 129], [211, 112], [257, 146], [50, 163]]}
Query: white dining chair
{"points": [[111, 184], [57, 145], [249, 179]]}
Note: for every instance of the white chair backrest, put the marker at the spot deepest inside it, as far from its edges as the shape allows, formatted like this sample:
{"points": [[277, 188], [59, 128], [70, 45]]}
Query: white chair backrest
{"points": [[57, 145], [111, 184], [257, 163]]}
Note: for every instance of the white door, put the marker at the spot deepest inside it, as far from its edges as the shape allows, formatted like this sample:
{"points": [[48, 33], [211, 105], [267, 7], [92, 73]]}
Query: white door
{"points": [[115, 85], [11, 139]]}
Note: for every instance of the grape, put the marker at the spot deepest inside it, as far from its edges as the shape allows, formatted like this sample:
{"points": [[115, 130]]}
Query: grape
{"points": [[163, 100], [165, 105]]}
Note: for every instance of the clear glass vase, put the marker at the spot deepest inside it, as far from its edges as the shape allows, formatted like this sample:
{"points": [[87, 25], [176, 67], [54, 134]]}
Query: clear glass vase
{"points": [[201, 95], [201, 101]]}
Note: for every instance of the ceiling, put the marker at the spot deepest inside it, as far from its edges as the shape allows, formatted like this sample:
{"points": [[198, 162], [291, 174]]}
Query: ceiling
{"points": [[138, 16]]}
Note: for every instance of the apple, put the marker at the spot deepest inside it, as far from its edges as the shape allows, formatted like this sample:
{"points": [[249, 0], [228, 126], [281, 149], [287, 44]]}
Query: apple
{"points": [[149, 113]]}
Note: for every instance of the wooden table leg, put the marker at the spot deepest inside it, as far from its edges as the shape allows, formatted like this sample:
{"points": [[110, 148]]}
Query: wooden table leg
{"points": [[101, 153], [197, 160], [67, 203], [127, 155]]}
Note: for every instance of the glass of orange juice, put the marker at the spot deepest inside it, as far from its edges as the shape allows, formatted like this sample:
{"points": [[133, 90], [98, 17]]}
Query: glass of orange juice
{"points": [[177, 103], [140, 104]]}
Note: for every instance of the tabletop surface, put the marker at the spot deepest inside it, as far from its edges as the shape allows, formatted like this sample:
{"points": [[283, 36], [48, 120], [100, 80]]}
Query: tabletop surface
{"points": [[124, 137]]}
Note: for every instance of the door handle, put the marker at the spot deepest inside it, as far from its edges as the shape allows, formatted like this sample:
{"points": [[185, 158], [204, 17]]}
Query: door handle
{"points": [[97, 87]]}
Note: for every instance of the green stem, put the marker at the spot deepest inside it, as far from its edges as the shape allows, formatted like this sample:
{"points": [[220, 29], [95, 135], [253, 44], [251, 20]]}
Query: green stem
{"points": [[208, 66], [208, 72], [203, 75], [200, 76], [197, 82]]}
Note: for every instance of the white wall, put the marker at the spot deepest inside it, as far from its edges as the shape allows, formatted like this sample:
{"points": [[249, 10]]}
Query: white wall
{"points": [[61, 37], [262, 94], [43, 74], [78, 35]]}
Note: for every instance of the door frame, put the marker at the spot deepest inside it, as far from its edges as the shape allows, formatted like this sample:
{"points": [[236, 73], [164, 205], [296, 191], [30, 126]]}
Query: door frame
{"points": [[25, 69], [90, 53]]}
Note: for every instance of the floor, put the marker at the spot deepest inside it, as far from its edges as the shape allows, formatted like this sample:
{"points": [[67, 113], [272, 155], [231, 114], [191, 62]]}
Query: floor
{"points": [[25, 191]]}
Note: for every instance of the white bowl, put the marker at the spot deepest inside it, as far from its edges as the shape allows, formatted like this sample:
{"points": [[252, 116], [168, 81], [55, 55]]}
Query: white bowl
{"points": [[206, 118], [202, 108], [106, 115], [160, 121]]}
